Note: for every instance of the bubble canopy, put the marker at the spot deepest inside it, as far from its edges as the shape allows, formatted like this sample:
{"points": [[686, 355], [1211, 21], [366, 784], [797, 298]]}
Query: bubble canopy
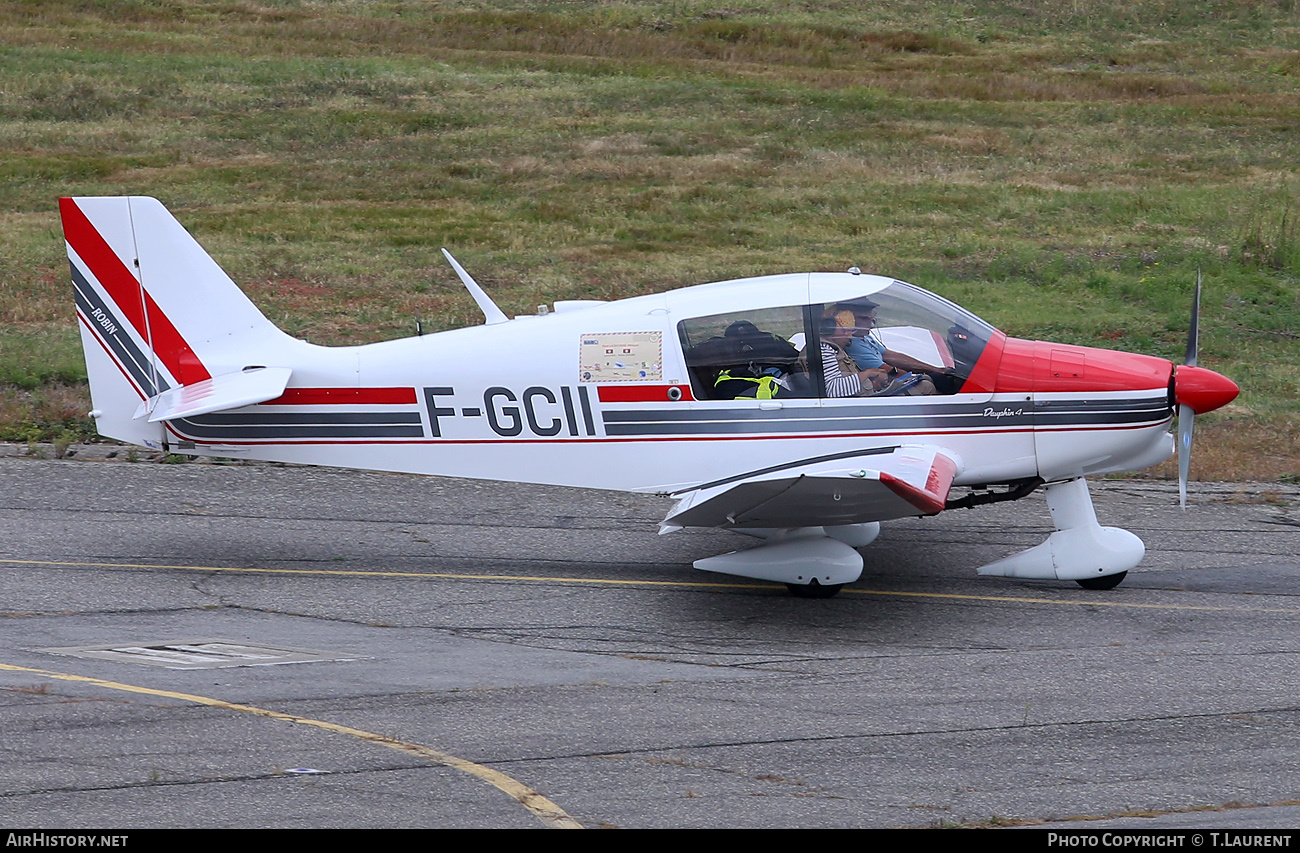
{"points": [[739, 327]]}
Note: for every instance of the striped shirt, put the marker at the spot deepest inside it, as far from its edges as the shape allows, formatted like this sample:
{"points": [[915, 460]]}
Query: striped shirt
{"points": [[838, 383]]}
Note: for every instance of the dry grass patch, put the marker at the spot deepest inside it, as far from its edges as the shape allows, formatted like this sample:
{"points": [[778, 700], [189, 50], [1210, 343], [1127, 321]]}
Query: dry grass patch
{"points": [[1231, 449], [53, 412]]}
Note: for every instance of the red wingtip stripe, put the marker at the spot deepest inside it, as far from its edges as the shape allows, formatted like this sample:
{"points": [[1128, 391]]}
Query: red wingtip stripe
{"points": [[934, 497]]}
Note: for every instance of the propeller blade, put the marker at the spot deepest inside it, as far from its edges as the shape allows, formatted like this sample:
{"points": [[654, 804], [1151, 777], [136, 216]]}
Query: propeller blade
{"points": [[1186, 417], [1186, 414]]}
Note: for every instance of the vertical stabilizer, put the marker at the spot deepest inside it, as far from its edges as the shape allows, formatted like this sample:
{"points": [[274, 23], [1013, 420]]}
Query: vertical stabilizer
{"points": [[156, 311]]}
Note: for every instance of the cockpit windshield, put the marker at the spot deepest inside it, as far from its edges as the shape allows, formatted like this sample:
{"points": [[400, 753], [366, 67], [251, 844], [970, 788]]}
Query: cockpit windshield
{"points": [[915, 322]]}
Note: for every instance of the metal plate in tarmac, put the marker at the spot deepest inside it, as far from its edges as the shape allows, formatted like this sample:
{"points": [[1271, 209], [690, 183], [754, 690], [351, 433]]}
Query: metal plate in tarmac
{"points": [[498, 647]]}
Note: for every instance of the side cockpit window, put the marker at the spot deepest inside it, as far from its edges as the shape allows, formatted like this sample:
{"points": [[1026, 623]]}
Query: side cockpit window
{"points": [[746, 354], [900, 340]]}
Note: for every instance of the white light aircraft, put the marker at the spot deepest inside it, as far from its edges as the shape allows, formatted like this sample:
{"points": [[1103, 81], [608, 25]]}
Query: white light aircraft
{"points": [[735, 398]]}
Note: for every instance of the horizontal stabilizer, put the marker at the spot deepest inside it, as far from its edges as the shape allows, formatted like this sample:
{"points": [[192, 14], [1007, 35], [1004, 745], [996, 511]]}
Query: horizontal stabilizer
{"points": [[872, 486], [227, 391]]}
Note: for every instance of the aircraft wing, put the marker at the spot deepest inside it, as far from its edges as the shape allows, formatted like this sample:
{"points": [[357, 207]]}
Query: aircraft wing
{"points": [[847, 488]]}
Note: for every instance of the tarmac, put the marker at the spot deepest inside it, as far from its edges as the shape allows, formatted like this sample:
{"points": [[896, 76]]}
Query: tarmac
{"points": [[233, 645]]}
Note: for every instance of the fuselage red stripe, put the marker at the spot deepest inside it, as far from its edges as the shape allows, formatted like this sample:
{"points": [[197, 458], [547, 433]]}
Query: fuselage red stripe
{"points": [[641, 393], [339, 396]]}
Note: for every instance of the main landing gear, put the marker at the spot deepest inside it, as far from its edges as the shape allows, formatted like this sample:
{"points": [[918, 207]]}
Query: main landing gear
{"points": [[813, 562], [816, 562]]}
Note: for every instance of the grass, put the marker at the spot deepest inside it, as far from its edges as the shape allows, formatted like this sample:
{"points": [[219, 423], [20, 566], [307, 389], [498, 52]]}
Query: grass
{"points": [[1062, 169]]}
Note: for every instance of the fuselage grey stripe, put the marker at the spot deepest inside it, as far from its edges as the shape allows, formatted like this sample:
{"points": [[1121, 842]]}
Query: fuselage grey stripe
{"points": [[219, 426], [921, 424], [279, 433], [1110, 405], [750, 411], [287, 419], [866, 415], [866, 408], [1065, 419]]}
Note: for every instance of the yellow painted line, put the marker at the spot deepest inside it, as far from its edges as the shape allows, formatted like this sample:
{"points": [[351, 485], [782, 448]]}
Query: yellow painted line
{"points": [[1081, 602], [380, 574], [1072, 602], [549, 813]]}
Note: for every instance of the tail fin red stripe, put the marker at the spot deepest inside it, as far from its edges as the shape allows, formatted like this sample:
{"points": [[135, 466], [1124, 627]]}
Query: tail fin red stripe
{"points": [[122, 287], [124, 290]]}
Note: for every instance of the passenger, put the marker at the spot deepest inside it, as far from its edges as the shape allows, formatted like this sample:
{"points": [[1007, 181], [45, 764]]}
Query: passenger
{"points": [[841, 376]]}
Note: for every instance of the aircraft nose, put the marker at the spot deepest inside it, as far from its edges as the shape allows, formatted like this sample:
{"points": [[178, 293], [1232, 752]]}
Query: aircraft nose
{"points": [[1203, 390]]}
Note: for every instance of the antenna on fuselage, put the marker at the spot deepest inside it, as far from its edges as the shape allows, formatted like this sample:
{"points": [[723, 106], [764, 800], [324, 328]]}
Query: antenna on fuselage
{"points": [[491, 312]]}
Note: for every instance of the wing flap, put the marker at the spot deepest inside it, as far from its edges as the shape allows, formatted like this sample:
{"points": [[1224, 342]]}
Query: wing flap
{"points": [[227, 391], [909, 481]]}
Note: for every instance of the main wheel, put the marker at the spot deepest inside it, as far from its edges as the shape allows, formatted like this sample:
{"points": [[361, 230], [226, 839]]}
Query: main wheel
{"points": [[1103, 582], [813, 589]]}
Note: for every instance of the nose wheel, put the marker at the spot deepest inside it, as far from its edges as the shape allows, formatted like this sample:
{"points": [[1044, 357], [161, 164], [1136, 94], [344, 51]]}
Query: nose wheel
{"points": [[1103, 582]]}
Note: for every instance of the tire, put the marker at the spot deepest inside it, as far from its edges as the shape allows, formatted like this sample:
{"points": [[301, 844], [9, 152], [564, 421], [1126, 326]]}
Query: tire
{"points": [[1103, 582], [814, 589]]}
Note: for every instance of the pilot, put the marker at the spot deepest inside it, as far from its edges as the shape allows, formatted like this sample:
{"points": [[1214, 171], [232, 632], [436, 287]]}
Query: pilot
{"points": [[869, 353], [843, 378]]}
